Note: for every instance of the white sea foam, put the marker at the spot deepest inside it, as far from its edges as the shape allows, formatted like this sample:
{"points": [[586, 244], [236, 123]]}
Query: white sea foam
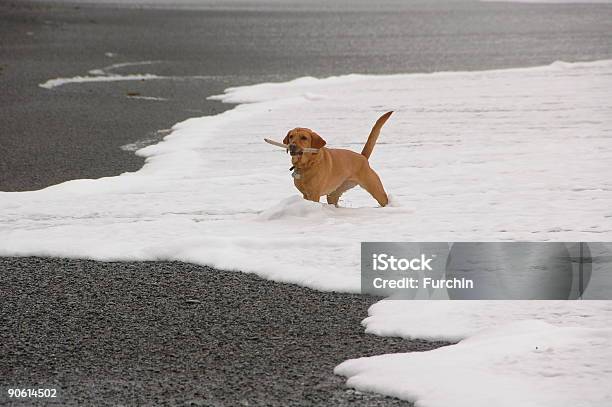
{"points": [[515, 154], [53, 83], [516, 353], [107, 69], [457, 320], [106, 74], [152, 98], [528, 363], [153, 138]]}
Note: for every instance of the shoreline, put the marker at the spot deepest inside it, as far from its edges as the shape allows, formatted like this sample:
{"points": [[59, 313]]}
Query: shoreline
{"points": [[76, 131], [122, 333], [109, 333]]}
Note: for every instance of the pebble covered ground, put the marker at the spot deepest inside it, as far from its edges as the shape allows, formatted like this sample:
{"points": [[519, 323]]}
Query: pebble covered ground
{"points": [[171, 333]]}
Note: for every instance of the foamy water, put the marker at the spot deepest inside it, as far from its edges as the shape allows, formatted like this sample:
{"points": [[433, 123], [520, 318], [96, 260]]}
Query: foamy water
{"points": [[514, 154]]}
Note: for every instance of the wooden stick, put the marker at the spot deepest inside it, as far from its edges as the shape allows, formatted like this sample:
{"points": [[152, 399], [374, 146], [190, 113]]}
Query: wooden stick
{"points": [[276, 143], [285, 146]]}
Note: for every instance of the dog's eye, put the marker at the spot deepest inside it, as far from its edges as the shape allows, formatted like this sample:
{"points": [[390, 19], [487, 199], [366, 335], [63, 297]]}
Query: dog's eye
{"points": [[304, 138]]}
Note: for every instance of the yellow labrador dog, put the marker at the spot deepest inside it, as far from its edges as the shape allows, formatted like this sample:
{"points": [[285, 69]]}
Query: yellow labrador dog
{"points": [[333, 171]]}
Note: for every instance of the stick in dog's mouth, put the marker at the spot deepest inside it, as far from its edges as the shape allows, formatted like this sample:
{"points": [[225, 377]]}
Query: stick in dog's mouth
{"points": [[286, 147]]}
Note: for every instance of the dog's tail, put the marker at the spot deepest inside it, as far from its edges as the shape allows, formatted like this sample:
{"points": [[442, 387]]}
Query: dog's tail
{"points": [[369, 145]]}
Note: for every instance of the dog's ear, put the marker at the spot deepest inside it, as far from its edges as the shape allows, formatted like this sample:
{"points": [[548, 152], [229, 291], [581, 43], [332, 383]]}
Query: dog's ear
{"points": [[286, 139], [317, 141]]}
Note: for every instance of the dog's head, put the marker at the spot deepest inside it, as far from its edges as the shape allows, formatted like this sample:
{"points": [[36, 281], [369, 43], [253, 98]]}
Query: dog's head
{"points": [[299, 139]]}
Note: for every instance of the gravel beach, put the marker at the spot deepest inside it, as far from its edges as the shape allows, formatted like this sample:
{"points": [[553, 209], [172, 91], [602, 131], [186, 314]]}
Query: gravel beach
{"points": [[170, 333], [159, 333]]}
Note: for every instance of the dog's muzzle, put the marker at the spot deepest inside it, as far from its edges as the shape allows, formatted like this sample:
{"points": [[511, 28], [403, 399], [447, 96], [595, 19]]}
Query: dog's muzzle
{"points": [[294, 150]]}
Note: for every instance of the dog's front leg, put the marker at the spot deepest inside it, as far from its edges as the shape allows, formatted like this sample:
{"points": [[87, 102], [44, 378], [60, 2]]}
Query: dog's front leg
{"points": [[312, 197], [307, 192]]}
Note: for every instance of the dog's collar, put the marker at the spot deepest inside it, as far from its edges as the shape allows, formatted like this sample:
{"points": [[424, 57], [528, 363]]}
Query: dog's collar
{"points": [[295, 174], [299, 169]]}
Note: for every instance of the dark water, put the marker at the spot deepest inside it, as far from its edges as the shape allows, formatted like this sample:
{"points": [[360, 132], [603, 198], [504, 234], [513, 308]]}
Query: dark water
{"points": [[75, 131], [288, 39]]}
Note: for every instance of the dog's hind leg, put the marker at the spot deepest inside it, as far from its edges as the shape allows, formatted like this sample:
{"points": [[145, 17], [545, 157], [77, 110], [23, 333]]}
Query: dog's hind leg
{"points": [[334, 197], [370, 181]]}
